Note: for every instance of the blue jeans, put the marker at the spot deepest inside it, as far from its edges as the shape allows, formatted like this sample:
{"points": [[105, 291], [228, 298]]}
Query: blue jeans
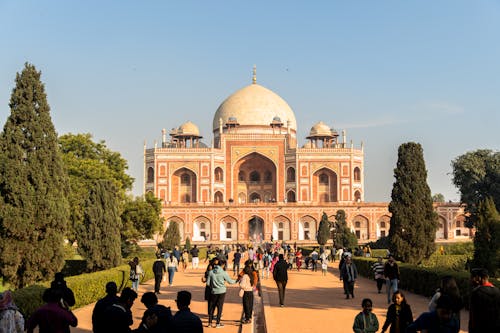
{"points": [[391, 284], [135, 284], [171, 272]]}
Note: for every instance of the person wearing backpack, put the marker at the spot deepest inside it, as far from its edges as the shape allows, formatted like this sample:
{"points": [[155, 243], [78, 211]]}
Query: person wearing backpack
{"points": [[11, 320]]}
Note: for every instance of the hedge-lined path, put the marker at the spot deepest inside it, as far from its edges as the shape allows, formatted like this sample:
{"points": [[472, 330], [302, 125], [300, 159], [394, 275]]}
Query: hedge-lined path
{"points": [[313, 303], [316, 303]]}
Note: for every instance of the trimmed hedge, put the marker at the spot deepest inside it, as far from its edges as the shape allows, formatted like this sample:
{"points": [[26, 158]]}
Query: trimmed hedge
{"points": [[88, 288]]}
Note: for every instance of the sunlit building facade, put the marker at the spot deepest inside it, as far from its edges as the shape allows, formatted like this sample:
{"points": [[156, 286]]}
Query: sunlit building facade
{"points": [[254, 182]]}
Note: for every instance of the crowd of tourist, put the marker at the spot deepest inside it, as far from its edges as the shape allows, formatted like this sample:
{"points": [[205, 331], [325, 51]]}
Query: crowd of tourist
{"points": [[249, 265]]}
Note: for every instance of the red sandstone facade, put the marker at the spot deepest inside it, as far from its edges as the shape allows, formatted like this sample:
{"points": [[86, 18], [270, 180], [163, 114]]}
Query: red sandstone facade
{"points": [[256, 183]]}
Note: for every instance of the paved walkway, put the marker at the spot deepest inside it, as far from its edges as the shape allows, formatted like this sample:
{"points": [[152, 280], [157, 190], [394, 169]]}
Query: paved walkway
{"points": [[313, 303]]}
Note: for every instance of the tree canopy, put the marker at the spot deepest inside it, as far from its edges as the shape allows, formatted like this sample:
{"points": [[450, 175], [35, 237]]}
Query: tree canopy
{"points": [[141, 219], [86, 162], [33, 187], [172, 236], [477, 176], [438, 197], [413, 222]]}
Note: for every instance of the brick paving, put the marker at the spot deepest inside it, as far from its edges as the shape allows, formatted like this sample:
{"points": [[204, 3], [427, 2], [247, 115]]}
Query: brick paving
{"points": [[313, 303]]}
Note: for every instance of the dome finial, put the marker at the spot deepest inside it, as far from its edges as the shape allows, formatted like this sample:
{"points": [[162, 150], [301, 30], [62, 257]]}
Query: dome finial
{"points": [[254, 78]]}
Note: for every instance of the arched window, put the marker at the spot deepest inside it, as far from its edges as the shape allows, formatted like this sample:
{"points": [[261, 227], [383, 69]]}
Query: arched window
{"points": [[382, 224], [290, 196], [357, 224], [280, 225], [151, 175], [357, 174], [255, 197], [219, 176], [323, 179], [357, 196], [218, 197], [268, 177], [185, 179], [254, 176], [228, 225], [202, 225], [306, 224], [241, 176], [290, 175]]}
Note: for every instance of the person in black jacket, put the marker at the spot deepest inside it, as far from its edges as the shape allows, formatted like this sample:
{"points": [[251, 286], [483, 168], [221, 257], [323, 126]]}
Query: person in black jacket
{"points": [[98, 318], [119, 316], [60, 284], [159, 270], [399, 315], [280, 275], [164, 318]]}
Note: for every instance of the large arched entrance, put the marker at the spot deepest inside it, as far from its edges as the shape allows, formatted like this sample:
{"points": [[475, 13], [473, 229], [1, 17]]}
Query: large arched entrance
{"points": [[256, 229], [255, 179]]}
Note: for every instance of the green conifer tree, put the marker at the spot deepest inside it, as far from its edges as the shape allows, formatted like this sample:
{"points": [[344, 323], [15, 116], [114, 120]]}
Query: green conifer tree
{"points": [[33, 187], [413, 223], [487, 238], [323, 230], [172, 236], [98, 236], [344, 237]]}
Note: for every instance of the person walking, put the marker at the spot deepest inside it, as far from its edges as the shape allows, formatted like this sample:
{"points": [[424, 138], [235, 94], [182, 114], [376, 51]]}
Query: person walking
{"points": [[184, 320], [378, 271], [484, 310], [98, 318], [399, 315], [391, 274], [216, 280], [119, 315], [159, 270], [314, 260], [280, 275], [172, 266], [54, 316], [236, 261], [366, 321], [348, 274], [11, 320], [136, 273], [246, 288], [185, 260], [208, 289], [195, 260]]}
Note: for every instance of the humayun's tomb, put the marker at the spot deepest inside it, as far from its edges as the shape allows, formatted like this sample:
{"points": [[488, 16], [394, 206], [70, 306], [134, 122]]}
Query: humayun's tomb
{"points": [[254, 182]]}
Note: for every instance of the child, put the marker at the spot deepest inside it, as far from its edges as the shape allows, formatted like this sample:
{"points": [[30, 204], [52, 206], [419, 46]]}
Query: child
{"points": [[366, 321], [324, 267], [399, 314]]}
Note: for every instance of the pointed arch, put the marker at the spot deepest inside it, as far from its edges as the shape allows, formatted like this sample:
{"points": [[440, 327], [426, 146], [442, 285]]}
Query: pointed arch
{"points": [[325, 185]]}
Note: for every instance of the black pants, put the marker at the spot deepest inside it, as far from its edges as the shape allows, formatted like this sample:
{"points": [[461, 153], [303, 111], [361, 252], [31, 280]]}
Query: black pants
{"points": [[157, 282], [248, 304], [216, 301], [314, 265], [281, 291], [380, 283], [348, 288]]}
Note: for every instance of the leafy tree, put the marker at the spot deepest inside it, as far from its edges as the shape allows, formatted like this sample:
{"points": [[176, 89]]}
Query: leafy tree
{"points": [[344, 237], [33, 187], [86, 162], [438, 197], [477, 176], [487, 238], [413, 222], [140, 219], [99, 235], [172, 236], [323, 230]]}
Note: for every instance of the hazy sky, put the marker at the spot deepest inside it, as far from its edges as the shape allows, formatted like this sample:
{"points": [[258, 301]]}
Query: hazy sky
{"points": [[388, 72]]}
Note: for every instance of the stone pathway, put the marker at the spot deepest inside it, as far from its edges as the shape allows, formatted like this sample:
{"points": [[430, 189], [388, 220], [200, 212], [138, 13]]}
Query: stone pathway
{"points": [[313, 303]]}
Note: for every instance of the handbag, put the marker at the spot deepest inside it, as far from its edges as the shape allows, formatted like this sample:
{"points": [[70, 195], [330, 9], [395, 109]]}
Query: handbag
{"points": [[241, 293]]}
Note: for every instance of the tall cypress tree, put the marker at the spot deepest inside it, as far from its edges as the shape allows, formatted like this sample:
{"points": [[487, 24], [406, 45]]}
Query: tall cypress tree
{"points": [[487, 237], [172, 236], [33, 187], [344, 237], [413, 222], [98, 236], [323, 230]]}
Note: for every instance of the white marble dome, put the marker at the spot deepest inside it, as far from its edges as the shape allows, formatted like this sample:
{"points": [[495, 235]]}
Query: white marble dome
{"points": [[254, 105], [320, 129]]}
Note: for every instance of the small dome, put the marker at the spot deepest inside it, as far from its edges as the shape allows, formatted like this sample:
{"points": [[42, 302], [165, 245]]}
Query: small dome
{"points": [[320, 129], [188, 128], [276, 118], [232, 119]]}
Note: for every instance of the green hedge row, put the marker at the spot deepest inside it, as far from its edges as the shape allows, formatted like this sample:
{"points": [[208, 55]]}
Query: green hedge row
{"points": [[88, 288]]}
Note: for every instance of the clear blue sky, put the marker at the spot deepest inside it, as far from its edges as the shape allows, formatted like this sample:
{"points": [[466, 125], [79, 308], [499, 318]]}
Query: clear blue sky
{"points": [[388, 72]]}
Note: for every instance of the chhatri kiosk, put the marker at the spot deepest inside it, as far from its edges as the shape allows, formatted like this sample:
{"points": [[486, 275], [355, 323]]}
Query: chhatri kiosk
{"points": [[255, 183]]}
